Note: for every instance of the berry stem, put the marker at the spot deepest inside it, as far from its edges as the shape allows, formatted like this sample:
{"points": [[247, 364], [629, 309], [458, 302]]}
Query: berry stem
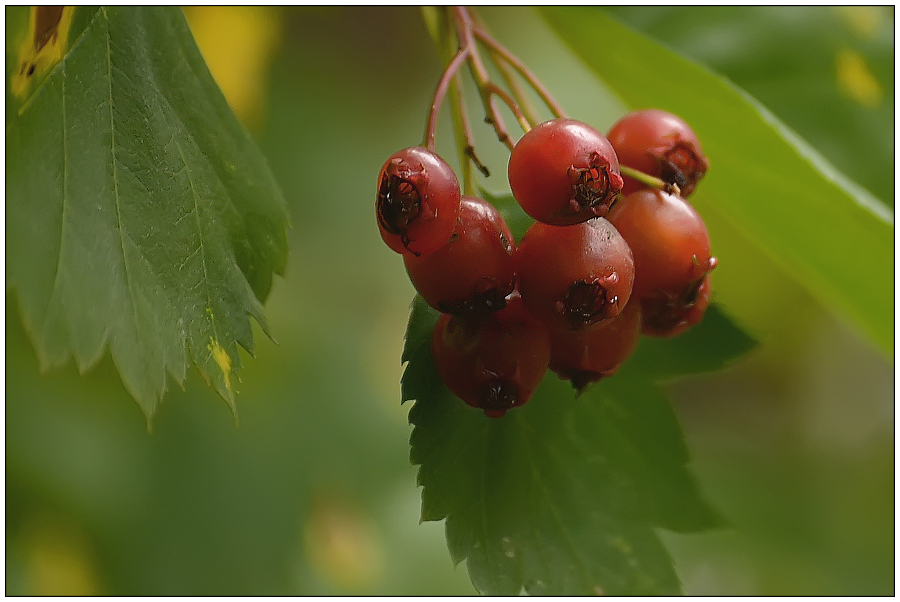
{"points": [[651, 181], [515, 87], [439, 94], [496, 90], [464, 140], [487, 90], [521, 69]]}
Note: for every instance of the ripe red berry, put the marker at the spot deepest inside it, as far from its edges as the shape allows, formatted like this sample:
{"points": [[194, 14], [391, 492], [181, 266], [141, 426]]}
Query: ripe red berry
{"points": [[564, 172], [666, 316], [585, 356], [417, 201], [474, 271], [493, 362], [661, 144], [668, 240], [572, 277]]}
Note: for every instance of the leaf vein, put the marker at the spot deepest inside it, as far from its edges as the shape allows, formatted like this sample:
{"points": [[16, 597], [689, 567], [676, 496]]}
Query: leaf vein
{"points": [[115, 176], [201, 247], [62, 225]]}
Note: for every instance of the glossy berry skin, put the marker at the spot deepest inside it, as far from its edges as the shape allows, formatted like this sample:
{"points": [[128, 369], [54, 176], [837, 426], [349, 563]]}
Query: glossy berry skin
{"points": [[564, 172], [417, 201], [661, 144], [574, 277], [668, 240], [586, 356], [474, 271], [493, 362], [669, 317]]}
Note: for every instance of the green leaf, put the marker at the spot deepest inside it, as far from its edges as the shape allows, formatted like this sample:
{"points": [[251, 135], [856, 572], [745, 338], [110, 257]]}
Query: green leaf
{"points": [[830, 234], [562, 495], [140, 214], [826, 71]]}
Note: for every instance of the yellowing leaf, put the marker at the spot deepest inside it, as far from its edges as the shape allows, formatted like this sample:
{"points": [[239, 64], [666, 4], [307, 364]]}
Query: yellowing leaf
{"points": [[43, 47], [223, 361]]}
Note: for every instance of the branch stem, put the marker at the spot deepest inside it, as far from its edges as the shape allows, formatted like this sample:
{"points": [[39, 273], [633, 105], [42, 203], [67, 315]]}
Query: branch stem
{"points": [[651, 181]]}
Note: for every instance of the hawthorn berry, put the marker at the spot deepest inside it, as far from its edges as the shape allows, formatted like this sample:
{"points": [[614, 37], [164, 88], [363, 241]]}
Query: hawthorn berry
{"points": [[495, 361], [667, 316], [668, 240], [586, 356], [417, 202], [474, 271], [564, 172], [661, 144], [573, 277]]}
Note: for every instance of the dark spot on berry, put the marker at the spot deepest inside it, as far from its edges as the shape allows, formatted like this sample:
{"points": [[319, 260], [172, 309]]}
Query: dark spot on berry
{"points": [[487, 301], [506, 244], [586, 303], [664, 312], [682, 165], [581, 379], [399, 204], [596, 185], [498, 396], [689, 294]]}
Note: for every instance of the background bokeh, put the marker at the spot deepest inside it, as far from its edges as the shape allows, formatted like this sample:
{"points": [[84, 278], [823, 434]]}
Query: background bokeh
{"points": [[312, 492]]}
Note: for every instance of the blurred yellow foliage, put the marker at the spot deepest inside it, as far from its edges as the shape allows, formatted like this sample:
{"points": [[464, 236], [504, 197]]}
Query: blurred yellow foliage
{"points": [[341, 543], [238, 44], [863, 20], [58, 559], [856, 80]]}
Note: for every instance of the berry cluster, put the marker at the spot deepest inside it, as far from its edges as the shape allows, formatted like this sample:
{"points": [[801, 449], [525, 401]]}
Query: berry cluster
{"points": [[615, 250]]}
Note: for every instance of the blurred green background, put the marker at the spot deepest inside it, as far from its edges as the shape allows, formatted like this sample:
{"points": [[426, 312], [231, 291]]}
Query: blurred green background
{"points": [[312, 493]]}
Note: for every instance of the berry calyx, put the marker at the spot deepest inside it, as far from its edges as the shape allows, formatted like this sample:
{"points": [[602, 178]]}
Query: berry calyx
{"points": [[492, 362], [417, 201], [667, 316], [564, 172], [660, 144], [668, 240], [586, 356], [474, 271], [574, 277]]}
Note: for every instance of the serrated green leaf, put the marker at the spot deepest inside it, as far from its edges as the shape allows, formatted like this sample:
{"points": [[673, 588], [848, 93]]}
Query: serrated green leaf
{"points": [[826, 231], [562, 495], [140, 214]]}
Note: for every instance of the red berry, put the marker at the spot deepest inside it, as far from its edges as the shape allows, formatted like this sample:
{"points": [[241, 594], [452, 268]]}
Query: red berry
{"points": [[668, 240], [585, 356], [474, 271], [661, 144], [493, 362], [572, 277], [666, 316], [417, 201], [564, 172]]}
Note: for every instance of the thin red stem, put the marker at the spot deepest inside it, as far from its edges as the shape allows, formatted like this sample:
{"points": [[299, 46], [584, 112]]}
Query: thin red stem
{"points": [[482, 79], [516, 88], [440, 92], [516, 64]]}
